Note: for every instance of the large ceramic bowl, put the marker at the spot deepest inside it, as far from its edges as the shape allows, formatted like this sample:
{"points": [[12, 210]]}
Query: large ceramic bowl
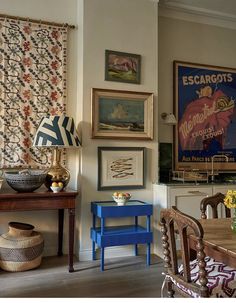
{"points": [[25, 180]]}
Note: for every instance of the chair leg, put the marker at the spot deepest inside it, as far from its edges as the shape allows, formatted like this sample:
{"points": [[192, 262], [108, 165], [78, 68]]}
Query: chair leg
{"points": [[170, 290], [163, 287]]}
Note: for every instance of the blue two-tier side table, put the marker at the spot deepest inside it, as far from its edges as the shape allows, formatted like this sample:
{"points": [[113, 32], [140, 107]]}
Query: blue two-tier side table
{"points": [[105, 236]]}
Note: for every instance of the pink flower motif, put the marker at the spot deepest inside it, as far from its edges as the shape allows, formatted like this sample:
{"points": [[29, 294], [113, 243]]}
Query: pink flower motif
{"points": [[26, 157], [55, 34], [27, 61], [26, 110], [26, 45], [26, 126], [55, 49], [55, 80], [26, 143], [54, 96], [54, 65], [53, 111], [27, 94], [27, 29], [27, 78]]}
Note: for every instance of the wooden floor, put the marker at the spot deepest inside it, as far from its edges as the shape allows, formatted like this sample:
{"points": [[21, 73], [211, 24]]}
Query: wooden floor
{"points": [[123, 277]]}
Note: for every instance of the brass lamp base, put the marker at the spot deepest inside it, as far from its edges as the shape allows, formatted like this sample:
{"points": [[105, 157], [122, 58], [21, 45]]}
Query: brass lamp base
{"points": [[56, 172]]}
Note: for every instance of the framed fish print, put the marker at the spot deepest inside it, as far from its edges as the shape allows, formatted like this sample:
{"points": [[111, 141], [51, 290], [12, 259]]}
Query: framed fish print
{"points": [[120, 114], [121, 168], [204, 101]]}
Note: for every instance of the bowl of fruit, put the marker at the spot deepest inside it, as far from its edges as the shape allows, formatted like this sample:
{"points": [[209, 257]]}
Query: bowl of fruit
{"points": [[56, 187], [121, 198]]}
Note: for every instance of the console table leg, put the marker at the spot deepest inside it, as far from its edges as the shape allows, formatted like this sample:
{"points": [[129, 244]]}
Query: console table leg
{"points": [[71, 212], [148, 254], [136, 245], [102, 258], [93, 251], [60, 231]]}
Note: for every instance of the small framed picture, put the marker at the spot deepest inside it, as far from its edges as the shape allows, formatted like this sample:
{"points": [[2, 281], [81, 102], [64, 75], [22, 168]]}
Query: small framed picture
{"points": [[122, 67], [122, 114], [121, 167]]}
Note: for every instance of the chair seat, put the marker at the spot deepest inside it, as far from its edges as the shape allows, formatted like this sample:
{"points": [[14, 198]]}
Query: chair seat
{"points": [[221, 279]]}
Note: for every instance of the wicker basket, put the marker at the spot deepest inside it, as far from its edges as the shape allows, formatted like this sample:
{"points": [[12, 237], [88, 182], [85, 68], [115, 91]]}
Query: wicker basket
{"points": [[21, 248]]}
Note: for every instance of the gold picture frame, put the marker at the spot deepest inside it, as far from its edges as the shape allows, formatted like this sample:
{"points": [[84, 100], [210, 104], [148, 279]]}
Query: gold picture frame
{"points": [[120, 114]]}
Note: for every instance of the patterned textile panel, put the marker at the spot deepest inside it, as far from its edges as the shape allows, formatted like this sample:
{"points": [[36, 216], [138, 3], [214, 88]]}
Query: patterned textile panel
{"points": [[32, 86], [221, 279]]}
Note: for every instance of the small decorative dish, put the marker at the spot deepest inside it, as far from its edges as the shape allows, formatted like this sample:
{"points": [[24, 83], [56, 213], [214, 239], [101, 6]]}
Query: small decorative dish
{"points": [[56, 189], [121, 198], [57, 186]]}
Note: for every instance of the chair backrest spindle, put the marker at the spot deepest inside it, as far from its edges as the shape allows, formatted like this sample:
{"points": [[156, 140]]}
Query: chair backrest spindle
{"points": [[214, 201], [174, 223]]}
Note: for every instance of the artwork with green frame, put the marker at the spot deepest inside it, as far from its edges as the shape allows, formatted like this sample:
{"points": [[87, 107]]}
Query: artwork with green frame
{"points": [[122, 67]]}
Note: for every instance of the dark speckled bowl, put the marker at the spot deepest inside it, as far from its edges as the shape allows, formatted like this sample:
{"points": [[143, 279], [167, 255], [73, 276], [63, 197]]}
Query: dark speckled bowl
{"points": [[25, 180]]}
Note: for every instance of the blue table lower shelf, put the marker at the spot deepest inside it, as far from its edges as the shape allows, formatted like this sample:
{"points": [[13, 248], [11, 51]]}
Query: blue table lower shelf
{"points": [[121, 235]]}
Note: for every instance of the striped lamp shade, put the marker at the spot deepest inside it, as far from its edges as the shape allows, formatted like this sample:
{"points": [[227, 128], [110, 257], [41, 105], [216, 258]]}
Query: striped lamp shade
{"points": [[56, 131]]}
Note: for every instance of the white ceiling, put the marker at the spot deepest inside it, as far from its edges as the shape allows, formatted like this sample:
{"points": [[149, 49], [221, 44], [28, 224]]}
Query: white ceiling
{"points": [[219, 6], [216, 12]]}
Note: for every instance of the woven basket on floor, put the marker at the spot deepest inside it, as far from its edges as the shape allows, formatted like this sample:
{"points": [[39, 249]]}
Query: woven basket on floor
{"points": [[21, 248]]}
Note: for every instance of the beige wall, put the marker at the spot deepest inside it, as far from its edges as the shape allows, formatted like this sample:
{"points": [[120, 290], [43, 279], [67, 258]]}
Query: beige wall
{"points": [[191, 42], [121, 25], [129, 26]]}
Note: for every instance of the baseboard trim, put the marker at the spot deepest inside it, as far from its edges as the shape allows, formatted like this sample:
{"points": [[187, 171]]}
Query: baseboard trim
{"points": [[111, 252]]}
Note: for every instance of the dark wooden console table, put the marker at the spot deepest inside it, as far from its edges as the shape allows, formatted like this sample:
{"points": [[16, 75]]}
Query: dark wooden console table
{"points": [[45, 200]]}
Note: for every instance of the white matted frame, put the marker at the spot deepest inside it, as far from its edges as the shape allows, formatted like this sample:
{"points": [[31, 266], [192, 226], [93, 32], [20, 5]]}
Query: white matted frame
{"points": [[121, 168]]}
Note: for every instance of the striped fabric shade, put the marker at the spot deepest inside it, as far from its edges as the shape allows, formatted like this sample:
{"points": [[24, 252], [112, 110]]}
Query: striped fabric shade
{"points": [[56, 131]]}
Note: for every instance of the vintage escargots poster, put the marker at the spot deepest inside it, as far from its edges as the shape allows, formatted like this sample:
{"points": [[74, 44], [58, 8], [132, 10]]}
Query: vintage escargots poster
{"points": [[204, 100]]}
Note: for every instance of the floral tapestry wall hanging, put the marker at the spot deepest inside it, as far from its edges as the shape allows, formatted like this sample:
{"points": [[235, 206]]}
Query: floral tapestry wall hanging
{"points": [[32, 85]]}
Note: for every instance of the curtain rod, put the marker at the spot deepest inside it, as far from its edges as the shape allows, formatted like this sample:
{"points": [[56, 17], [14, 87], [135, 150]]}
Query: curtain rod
{"points": [[37, 21]]}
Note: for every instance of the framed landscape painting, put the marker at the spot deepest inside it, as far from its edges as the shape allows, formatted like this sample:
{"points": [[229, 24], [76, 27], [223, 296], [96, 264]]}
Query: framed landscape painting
{"points": [[205, 110], [122, 67], [121, 168], [122, 114]]}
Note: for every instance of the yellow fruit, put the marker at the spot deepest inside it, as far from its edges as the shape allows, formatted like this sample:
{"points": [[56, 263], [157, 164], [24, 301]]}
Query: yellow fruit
{"points": [[54, 184], [60, 184], [115, 194]]}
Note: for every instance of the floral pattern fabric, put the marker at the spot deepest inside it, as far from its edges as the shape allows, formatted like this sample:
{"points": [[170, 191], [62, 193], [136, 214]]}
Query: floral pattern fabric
{"points": [[32, 85]]}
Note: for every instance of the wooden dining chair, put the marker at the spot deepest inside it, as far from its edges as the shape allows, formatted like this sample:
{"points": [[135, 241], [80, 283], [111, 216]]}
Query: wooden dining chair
{"points": [[213, 202], [202, 277]]}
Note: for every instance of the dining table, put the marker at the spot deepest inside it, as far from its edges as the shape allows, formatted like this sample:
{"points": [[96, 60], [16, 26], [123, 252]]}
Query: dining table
{"points": [[219, 240]]}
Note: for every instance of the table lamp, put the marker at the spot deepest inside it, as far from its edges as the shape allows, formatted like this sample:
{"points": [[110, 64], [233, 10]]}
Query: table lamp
{"points": [[56, 132]]}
